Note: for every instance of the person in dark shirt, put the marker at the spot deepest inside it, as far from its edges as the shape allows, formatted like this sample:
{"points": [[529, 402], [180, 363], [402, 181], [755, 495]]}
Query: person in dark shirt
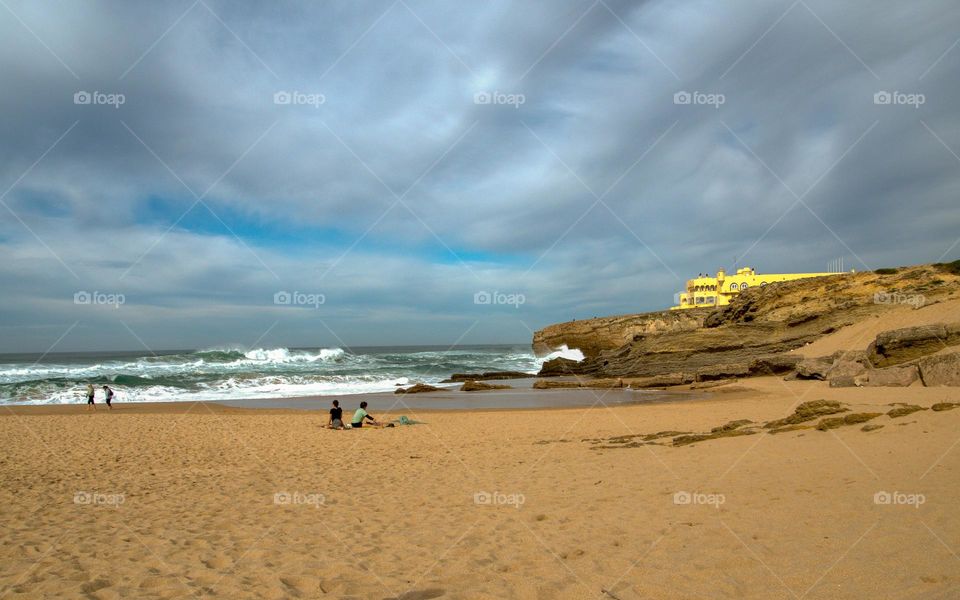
{"points": [[336, 416], [108, 393]]}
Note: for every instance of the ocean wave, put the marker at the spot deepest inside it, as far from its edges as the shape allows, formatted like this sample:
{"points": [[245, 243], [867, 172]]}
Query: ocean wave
{"points": [[563, 352], [229, 373]]}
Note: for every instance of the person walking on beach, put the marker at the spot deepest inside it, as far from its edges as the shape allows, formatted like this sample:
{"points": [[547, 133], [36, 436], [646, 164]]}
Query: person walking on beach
{"points": [[362, 414], [336, 416], [108, 393], [90, 393]]}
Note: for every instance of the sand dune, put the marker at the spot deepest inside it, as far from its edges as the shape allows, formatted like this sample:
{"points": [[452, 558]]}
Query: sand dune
{"points": [[190, 500]]}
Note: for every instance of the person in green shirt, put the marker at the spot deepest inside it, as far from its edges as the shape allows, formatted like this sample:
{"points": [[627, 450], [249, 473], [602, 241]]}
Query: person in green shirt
{"points": [[362, 414]]}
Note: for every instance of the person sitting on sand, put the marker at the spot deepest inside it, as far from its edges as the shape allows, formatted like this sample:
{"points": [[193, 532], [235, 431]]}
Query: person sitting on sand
{"points": [[108, 394], [362, 414], [90, 394], [336, 416]]}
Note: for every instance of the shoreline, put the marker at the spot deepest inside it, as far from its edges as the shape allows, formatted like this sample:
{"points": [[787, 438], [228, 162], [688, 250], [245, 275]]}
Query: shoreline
{"points": [[390, 403]]}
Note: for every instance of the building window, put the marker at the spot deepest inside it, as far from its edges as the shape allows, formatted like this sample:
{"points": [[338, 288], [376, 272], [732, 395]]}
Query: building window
{"points": [[743, 285], [733, 287]]}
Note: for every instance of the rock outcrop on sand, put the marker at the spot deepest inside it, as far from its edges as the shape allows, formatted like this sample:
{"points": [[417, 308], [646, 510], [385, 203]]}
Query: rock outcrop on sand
{"points": [[417, 388], [820, 415], [941, 370], [756, 333], [479, 386]]}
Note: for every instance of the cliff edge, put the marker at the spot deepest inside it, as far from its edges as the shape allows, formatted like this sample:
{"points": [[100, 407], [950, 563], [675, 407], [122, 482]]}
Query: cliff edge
{"points": [[761, 323]]}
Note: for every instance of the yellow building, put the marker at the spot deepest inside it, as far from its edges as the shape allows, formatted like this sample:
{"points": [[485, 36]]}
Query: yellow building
{"points": [[709, 292]]}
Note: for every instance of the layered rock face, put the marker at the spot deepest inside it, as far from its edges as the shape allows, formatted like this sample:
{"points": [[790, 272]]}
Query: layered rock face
{"points": [[751, 335], [592, 336]]}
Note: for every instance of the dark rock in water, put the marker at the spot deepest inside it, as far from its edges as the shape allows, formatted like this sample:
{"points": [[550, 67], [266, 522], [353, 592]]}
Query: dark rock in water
{"points": [[417, 388], [489, 375], [941, 370], [774, 365], [559, 366], [722, 371], [893, 376], [479, 386], [902, 345]]}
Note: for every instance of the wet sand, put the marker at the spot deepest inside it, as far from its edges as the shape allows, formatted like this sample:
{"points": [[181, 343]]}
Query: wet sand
{"points": [[189, 499]]}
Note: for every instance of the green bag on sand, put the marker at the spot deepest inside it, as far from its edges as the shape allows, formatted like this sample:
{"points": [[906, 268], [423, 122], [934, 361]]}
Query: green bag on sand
{"points": [[405, 420]]}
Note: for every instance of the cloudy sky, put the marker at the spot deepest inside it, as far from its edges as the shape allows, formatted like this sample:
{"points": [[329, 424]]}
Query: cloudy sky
{"points": [[189, 160]]}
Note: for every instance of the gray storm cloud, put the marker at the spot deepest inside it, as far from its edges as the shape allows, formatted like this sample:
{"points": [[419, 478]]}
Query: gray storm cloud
{"points": [[429, 151]]}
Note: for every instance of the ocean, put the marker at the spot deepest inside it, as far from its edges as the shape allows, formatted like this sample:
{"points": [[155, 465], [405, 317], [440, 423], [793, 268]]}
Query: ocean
{"points": [[233, 373]]}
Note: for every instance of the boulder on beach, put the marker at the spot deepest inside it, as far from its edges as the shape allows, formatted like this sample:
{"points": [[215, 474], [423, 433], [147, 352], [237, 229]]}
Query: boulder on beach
{"points": [[667, 380], [893, 376], [479, 386], [941, 370], [417, 388], [902, 345]]}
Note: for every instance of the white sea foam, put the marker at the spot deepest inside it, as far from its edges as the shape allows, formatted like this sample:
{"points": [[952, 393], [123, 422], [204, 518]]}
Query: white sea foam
{"points": [[563, 352]]}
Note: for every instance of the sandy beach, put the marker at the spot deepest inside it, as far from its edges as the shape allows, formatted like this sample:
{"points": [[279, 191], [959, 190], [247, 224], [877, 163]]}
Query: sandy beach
{"points": [[194, 499]]}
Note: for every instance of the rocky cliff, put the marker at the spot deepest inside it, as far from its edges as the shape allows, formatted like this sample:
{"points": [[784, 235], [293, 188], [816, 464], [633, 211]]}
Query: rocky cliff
{"points": [[761, 322], [592, 336]]}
